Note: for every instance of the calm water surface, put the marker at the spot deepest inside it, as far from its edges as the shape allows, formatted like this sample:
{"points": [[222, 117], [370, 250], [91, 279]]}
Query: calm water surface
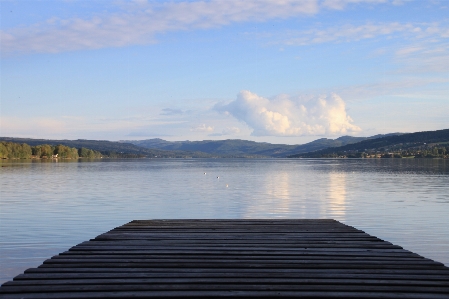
{"points": [[48, 207]]}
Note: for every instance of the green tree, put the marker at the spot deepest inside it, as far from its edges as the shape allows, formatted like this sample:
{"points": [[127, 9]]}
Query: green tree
{"points": [[83, 152], [88, 153], [11, 150], [25, 151], [47, 150], [66, 152], [43, 150], [435, 151], [36, 150], [4, 151]]}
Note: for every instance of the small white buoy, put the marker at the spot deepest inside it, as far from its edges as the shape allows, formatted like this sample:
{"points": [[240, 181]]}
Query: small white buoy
{"points": [[204, 173], [227, 186], [218, 177]]}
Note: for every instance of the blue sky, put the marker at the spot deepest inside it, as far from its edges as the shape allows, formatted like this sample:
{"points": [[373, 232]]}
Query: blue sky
{"points": [[273, 71]]}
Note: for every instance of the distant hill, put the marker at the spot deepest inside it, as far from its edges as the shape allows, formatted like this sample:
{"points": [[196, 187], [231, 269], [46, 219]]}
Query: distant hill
{"points": [[382, 144], [245, 147]]}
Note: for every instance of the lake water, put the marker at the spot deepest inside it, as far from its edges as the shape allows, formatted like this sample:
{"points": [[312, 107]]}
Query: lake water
{"points": [[48, 207]]}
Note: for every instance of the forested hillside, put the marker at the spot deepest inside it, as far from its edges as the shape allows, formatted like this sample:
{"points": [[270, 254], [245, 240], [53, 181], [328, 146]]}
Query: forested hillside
{"points": [[419, 144]]}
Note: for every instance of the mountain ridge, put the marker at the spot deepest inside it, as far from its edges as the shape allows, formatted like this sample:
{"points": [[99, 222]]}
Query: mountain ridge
{"points": [[229, 148], [242, 147]]}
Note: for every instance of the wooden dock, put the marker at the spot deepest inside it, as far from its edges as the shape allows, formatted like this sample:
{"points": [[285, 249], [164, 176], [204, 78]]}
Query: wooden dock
{"points": [[233, 258]]}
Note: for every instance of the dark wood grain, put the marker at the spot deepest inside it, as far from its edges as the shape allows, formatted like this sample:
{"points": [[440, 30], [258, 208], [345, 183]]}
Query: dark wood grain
{"points": [[241, 258]]}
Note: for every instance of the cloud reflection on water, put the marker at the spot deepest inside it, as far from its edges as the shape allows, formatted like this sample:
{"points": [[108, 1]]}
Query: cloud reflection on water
{"points": [[335, 201]]}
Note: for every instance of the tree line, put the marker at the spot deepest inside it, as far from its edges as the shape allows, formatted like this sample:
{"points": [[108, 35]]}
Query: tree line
{"points": [[12, 150], [424, 151]]}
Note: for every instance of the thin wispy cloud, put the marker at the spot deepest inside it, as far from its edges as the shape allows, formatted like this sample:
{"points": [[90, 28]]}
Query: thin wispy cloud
{"points": [[76, 125], [341, 4], [171, 111], [424, 61], [350, 33], [229, 131], [140, 22], [362, 92], [202, 128], [429, 55], [146, 134], [423, 47], [290, 116], [408, 50]]}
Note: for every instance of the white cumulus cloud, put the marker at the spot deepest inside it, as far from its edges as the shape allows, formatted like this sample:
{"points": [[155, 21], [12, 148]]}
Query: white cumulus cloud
{"points": [[290, 116]]}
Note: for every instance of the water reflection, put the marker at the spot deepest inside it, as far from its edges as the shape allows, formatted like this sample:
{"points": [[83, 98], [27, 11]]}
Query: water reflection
{"points": [[276, 199], [277, 188], [336, 196]]}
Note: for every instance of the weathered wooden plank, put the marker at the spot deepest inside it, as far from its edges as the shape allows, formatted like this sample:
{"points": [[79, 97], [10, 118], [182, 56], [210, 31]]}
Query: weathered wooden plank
{"points": [[221, 248], [228, 293], [240, 226], [185, 240], [205, 242], [250, 231], [432, 271], [236, 240], [309, 256], [239, 274], [225, 280], [223, 287], [250, 234], [233, 257], [234, 224], [274, 234], [229, 225], [224, 241], [333, 254], [233, 220], [211, 236], [250, 246], [173, 243], [273, 244], [239, 238], [218, 265], [243, 247], [297, 243], [243, 259], [289, 230]]}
